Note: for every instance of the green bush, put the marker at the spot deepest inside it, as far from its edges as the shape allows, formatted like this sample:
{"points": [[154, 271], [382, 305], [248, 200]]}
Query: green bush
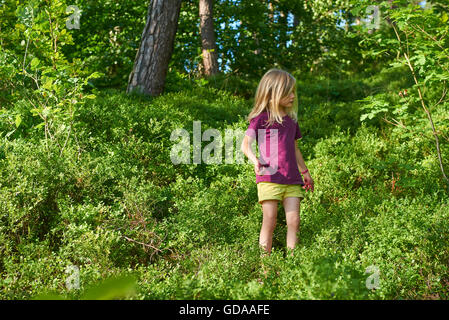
{"points": [[112, 202]]}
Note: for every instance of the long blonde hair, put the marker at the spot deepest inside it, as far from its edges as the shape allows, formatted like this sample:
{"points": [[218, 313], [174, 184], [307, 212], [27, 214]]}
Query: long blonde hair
{"points": [[274, 85]]}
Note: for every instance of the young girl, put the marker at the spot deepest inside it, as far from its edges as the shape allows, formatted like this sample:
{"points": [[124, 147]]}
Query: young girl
{"points": [[273, 123]]}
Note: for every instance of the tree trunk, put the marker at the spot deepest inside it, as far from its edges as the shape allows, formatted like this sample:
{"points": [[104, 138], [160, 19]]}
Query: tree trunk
{"points": [[156, 47], [209, 47]]}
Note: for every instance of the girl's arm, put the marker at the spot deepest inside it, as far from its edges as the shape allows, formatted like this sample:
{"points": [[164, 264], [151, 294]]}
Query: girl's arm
{"points": [[245, 147], [246, 143], [308, 181], [299, 159]]}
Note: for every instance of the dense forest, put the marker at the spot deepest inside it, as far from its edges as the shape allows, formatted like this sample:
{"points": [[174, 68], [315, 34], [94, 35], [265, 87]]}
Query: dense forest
{"points": [[90, 199]]}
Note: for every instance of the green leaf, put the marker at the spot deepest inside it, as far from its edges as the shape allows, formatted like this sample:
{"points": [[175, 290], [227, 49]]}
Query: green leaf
{"points": [[420, 60], [48, 84], [363, 116], [35, 111], [355, 11], [396, 64], [18, 120], [94, 75], [34, 63], [444, 18], [401, 24], [442, 76], [112, 288], [40, 125], [90, 96], [9, 133]]}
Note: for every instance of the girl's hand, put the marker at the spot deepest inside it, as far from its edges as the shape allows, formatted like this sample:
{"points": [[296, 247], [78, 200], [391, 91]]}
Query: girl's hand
{"points": [[309, 184], [258, 168]]}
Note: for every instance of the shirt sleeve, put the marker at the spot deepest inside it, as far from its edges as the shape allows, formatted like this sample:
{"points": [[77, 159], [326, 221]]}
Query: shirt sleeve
{"points": [[252, 128], [298, 134]]}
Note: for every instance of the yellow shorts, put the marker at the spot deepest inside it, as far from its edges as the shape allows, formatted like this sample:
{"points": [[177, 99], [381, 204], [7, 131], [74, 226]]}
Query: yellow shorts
{"points": [[275, 191]]}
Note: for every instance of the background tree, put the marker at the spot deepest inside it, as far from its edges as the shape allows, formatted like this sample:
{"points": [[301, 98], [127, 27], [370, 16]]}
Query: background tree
{"points": [[152, 59], [209, 47], [88, 180], [108, 39]]}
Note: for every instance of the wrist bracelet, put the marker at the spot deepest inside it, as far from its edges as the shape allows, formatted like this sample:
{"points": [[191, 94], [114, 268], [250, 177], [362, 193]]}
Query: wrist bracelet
{"points": [[307, 170]]}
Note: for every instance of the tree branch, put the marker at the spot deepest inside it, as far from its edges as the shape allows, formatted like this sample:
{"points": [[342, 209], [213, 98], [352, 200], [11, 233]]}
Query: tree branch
{"points": [[421, 98]]}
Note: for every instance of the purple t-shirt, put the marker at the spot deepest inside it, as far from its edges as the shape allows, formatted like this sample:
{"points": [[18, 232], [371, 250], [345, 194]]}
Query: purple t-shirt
{"points": [[278, 159]]}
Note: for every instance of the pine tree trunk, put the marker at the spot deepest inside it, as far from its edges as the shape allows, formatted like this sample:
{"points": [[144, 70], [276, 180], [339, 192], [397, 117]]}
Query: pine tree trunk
{"points": [[209, 47], [156, 47]]}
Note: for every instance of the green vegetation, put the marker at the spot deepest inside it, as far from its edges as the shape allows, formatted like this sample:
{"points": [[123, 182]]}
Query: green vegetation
{"points": [[86, 180], [114, 202]]}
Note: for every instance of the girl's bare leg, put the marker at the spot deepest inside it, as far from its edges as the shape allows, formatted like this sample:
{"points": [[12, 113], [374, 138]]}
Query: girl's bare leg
{"points": [[291, 206], [269, 208]]}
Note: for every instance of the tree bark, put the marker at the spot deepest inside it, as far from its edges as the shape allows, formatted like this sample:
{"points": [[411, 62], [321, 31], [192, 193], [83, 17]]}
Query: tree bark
{"points": [[156, 47], [209, 46]]}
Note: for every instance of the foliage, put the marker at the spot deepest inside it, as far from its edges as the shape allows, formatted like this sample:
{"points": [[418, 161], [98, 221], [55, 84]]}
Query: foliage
{"points": [[191, 232], [419, 39], [90, 183], [44, 84], [108, 38], [251, 37], [111, 288]]}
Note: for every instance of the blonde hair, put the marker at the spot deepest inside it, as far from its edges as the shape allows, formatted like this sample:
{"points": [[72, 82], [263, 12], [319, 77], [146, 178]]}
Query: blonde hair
{"points": [[274, 85]]}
